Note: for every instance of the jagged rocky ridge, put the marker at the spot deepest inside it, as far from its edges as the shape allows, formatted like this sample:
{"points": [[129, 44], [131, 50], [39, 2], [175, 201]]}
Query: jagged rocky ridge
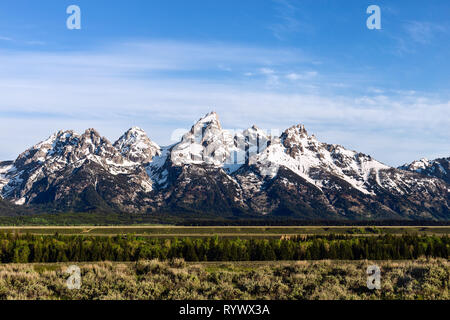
{"points": [[439, 168], [72, 171], [212, 171]]}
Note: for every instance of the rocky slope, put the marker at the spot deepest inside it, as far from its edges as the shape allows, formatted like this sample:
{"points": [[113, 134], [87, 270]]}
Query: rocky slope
{"points": [[216, 172]]}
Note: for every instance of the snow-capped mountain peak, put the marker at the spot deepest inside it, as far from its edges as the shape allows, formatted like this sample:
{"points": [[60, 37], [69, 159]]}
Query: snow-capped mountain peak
{"points": [[62, 151], [295, 149], [136, 146], [211, 118], [313, 160], [206, 142]]}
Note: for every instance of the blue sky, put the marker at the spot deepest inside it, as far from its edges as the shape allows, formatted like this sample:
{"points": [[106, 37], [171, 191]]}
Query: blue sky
{"points": [[161, 65]]}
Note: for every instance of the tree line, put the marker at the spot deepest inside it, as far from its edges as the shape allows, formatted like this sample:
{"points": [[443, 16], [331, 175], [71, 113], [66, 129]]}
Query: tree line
{"points": [[26, 248]]}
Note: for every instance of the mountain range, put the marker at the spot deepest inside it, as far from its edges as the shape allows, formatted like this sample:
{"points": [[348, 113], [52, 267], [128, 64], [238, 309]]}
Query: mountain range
{"points": [[215, 172]]}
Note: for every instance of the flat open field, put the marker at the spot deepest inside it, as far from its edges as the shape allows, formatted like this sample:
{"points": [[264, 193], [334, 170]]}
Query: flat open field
{"points": [[177, 280], [226, 232]]}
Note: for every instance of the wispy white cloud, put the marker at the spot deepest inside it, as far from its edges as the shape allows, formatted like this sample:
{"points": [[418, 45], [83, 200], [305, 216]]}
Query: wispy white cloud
{"points": [[301, 76], [23, 42], [267, 71], [273, 77]]}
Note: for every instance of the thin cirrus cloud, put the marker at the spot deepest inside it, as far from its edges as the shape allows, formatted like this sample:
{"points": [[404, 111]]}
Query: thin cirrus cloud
{"points": [[289, 20], [163, 86], [414, 36], [138, 57], [424, 32]]}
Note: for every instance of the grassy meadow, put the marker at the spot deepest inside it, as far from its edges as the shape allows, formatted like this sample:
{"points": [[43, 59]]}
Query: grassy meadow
{"points": [[227, 231]]}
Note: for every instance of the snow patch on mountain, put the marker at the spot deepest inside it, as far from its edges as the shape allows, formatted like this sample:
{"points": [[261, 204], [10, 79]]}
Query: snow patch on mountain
{"points": [[418, 165], [439, 168], [6, 168], [157, 169]]}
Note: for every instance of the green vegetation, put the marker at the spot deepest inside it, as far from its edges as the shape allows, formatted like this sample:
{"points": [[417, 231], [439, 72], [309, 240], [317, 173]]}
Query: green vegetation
{"points": [[177, 280], [149, 262], [243, 232], [15, 248]]}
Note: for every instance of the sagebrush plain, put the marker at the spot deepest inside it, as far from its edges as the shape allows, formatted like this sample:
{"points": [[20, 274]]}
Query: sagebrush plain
{"points": [[177, 280]]}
